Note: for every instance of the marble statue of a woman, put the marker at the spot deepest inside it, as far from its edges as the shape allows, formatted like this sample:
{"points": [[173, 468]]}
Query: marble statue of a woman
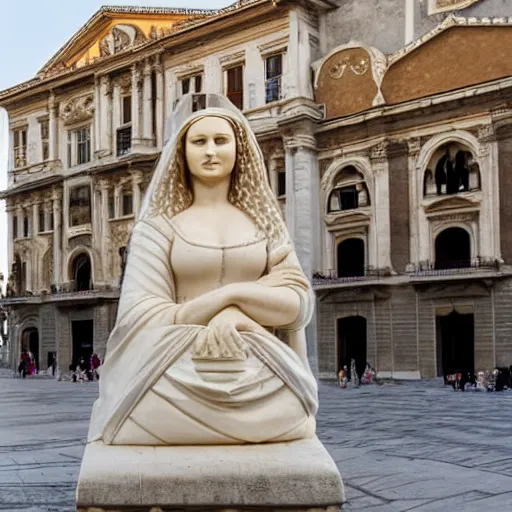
{"points": [[211, 273]]}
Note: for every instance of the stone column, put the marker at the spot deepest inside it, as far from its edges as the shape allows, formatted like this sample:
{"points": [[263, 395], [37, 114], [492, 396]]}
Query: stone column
{"points": [[106, 116], [159, 135], [35, 219], [147, 110], [10, 242], [105, 229], [57, 229], [97, 114], [414, 146], [303, 208], [381, 239], [20, 214], [136, 182], [117, 203], [272, 174], [303, 200], [135, 105], [488, 242], [52, 127]]}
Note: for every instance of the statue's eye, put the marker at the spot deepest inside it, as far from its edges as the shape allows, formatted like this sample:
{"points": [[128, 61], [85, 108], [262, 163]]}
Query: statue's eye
{"points": [[221, 140], [199, 142]]}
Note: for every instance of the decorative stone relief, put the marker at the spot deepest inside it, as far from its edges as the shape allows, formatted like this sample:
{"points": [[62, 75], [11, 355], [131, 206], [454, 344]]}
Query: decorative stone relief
{"points": [[486, 133], [379, 152], [437, 6], [77, 109], [82, 240], [120, 232], [120, 38]]}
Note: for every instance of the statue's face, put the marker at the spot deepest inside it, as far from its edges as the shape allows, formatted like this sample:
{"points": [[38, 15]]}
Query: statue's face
{"points": [[210, 149]]}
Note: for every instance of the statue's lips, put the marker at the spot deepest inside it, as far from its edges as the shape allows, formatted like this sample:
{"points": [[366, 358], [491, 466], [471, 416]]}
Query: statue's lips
{"points": [[211, 165]]}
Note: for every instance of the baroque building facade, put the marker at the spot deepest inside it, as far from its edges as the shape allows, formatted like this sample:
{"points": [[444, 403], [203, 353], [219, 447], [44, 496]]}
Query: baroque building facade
{"points": [[390, 161]]}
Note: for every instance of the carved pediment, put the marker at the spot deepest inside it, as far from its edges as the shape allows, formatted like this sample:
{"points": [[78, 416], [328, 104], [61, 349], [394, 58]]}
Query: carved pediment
{"points": [[451, 203], [113, 29], [77, 109]]}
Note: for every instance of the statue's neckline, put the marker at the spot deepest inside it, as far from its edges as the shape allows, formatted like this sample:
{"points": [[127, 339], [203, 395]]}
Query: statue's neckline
{"points": [[257, 239]]}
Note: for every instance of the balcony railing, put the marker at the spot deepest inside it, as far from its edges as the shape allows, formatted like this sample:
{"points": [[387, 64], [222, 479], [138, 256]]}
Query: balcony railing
{"points": [[331, 277], [124, 140], [453, 267]]}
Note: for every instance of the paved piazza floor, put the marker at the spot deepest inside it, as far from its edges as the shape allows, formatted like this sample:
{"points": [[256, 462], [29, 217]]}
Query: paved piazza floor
{"points": [[415, 446]]}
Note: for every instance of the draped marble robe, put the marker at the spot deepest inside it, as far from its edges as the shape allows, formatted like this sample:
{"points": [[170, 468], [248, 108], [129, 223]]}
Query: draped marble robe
{"points": [[152, 392]]}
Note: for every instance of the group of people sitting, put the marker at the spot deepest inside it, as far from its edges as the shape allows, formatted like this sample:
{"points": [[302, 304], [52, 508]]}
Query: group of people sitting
{"points": [[498, 379], [86, 370], [352, 376]]}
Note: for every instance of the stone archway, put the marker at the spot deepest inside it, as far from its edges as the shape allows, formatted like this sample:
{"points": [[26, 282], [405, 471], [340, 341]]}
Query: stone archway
{"points": [[81, 272], [29, 343]]}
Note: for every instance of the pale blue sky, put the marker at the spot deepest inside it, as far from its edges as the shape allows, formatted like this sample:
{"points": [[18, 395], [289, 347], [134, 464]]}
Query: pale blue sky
{"points": [[31, 31]]}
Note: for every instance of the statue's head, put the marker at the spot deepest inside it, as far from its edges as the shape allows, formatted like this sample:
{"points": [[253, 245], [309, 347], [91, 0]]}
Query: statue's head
{"points": [[210, 150], [211, 143]]}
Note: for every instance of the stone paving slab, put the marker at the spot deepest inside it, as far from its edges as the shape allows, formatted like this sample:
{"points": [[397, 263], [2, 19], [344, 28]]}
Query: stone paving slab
{"points": [[416, 446]]}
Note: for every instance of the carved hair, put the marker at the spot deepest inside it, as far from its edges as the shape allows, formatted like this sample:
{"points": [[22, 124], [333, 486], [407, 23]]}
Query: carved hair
{"points": [[249, 190]]}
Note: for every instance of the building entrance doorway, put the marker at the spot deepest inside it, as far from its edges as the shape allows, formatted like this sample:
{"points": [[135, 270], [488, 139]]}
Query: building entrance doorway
{"points": [[352, 343], [455, 343], [83, 335]]}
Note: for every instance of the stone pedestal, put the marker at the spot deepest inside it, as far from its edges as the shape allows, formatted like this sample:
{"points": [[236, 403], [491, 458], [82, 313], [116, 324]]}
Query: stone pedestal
{"points": [[296, 476]]}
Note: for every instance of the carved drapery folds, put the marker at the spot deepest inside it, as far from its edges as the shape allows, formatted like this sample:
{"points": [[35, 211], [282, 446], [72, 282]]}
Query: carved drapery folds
{"points": [[77, 109]]}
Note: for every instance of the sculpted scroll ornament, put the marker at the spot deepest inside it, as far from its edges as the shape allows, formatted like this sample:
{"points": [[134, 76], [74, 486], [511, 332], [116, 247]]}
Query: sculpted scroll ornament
{"points": [[358, 67], [77, 109]]}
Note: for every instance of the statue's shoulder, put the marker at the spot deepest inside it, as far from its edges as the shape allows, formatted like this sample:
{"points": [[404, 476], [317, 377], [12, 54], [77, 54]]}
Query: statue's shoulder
{"points": [[159, 224]]}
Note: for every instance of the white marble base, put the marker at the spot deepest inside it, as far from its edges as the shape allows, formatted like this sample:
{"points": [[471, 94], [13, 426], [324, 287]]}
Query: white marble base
{"points": [[299, 475]]}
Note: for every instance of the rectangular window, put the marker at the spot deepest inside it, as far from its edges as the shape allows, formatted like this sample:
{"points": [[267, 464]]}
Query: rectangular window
{"points": [[26, 226], [124, 140], [192, 84], [15, 226], [51, 221], [281, 183], [235, 86], [20, 147], [79, 146], [127, 201], [126, 109], [185, 86], [83, 146], [41, 221], [45, 139], [273, 76], [80, 205]]}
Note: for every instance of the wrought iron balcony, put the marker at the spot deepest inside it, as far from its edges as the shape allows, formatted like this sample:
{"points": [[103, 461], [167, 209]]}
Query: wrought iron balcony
{"points": [[453, 267], [327, 277]]}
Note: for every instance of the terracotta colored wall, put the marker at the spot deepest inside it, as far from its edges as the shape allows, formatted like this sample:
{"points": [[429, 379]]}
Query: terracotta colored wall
{"points": [[456, 58], [350, 93]]}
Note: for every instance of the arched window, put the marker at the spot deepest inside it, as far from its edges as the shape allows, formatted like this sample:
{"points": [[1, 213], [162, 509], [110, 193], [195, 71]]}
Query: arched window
{"points": [[452, 170], [351, 258], [349, 192], [453, 249], [81, 272]]}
